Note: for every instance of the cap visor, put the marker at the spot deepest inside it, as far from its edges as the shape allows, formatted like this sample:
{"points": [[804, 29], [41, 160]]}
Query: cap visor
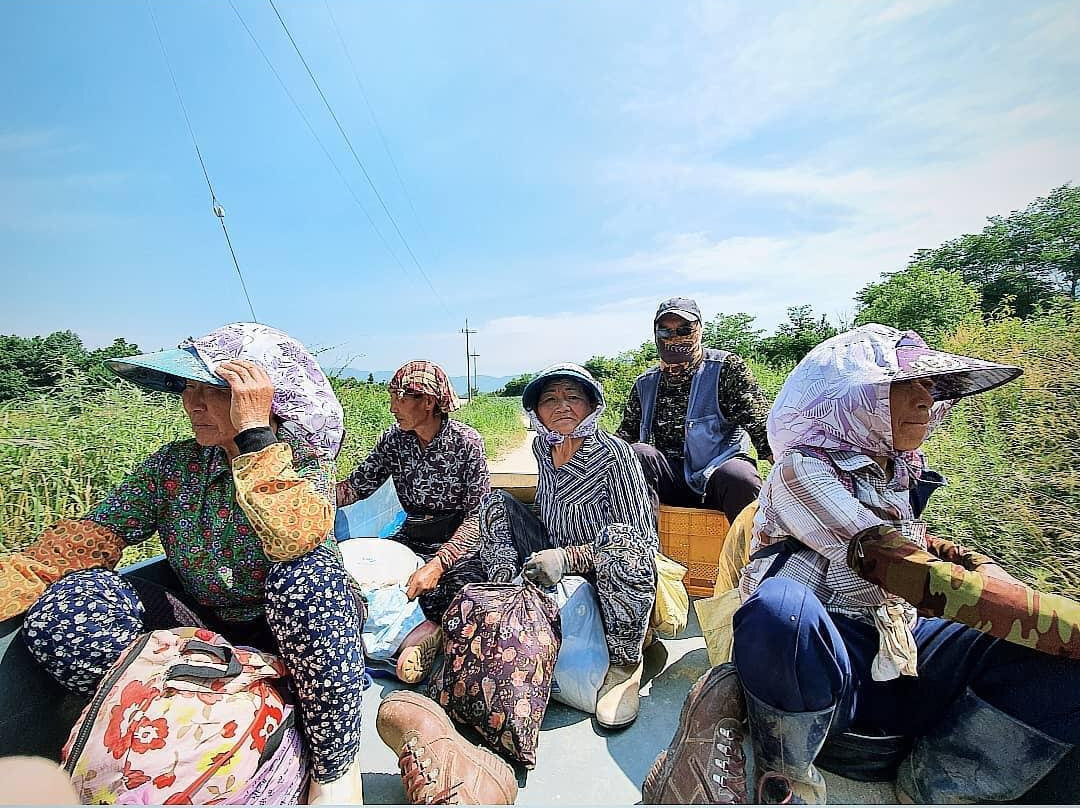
{"points": [[689, 316], [164, 371]]}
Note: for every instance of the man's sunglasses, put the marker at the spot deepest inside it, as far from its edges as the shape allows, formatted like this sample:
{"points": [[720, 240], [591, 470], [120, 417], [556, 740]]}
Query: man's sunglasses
{"points": [[681, 331]]}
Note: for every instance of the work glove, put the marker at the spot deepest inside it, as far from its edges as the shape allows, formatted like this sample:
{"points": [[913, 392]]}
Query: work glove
{"points": [[547, 567]]}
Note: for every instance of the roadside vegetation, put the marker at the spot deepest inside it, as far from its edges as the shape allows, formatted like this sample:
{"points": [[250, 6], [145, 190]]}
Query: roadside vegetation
{"points": [[61, 452]]}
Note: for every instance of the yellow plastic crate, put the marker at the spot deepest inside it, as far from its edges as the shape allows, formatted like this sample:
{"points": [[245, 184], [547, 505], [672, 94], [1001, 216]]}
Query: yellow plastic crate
{"points": [[693, 537]]}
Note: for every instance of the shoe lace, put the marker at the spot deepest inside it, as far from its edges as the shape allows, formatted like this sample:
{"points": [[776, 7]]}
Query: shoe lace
{"points": [[421, 779], [729, 764]]}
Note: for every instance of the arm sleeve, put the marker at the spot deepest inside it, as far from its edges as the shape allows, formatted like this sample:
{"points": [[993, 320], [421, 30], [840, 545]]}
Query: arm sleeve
{"points": [[957, 553], [630, 496], [69, 545], [368, 476], [465, 542], [289, 508], [630, 427], [742, 400]]}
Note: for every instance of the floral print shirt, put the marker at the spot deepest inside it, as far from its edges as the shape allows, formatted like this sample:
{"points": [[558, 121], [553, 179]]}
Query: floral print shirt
{"points": [[738, 395], [449, 475], [222, 526]]}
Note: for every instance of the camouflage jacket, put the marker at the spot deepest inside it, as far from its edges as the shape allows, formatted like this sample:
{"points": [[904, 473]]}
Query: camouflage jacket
{"points": [[950, 581]]}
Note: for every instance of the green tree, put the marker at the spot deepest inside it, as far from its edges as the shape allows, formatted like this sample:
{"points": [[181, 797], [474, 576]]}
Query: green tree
{"points": [[516, 386], [932, 303], [794, 339], [733, 332], [1023, 260]]}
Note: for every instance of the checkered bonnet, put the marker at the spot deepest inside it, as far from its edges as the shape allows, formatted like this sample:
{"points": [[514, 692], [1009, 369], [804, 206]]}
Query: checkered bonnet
{"points": [[422, 377]]}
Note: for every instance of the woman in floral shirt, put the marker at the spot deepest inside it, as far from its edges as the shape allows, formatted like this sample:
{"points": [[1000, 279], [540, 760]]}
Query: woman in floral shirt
{"points": [[440, 473], [245, 514]]}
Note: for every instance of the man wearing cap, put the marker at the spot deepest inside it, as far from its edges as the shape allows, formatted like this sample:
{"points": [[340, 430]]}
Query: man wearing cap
{"points": [[691, 421]]}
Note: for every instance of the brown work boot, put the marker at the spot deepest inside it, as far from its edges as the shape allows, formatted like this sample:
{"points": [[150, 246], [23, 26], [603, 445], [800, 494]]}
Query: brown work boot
{"points": [[705, 762], [438, 766]]}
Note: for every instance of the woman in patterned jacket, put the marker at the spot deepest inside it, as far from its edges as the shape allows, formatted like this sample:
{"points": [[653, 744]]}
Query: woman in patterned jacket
{"points": [[594, 520], [440, 473], [245, 513]]}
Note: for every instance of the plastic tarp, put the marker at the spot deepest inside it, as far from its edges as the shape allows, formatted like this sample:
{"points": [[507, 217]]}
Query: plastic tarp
{"points": [[377, 516], [381, 567]]}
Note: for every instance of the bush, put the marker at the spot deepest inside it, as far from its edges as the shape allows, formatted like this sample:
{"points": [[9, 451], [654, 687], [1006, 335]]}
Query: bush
{"points": [[1012, 455]]}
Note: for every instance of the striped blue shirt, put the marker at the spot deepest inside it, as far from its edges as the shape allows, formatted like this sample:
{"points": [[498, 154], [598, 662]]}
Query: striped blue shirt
{"points": [[600, 485]]}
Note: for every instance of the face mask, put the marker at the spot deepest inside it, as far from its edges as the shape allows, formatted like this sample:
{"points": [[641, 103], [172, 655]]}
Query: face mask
{"points": [[679, 350]]}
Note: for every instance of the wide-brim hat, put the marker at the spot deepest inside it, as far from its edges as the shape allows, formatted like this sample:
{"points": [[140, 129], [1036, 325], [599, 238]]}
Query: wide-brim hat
{"points": [[953, 376], [164, 371], [530, 396]]}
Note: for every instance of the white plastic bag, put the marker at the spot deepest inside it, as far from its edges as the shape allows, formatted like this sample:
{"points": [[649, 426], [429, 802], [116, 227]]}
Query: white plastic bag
{"points": [[381, 568], [583, 658]]}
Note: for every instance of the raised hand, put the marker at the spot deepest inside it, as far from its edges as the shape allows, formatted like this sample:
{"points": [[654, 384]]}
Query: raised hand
{"points": [[252, 393]]}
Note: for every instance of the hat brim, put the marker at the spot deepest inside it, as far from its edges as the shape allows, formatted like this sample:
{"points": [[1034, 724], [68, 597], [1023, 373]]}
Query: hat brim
{"points": [[953, 376], [164, 371], [689, 316], [530, 396]]}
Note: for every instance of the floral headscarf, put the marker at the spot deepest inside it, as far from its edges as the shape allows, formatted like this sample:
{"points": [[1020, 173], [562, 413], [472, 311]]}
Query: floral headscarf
{"points": [[837, 397], [421, 377], [304, 402]]}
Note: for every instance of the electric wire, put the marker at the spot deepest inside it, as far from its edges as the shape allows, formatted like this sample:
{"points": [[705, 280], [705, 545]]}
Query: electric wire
{"points": [[314, 134], [218, 210], [356, 157], [375, 121]]}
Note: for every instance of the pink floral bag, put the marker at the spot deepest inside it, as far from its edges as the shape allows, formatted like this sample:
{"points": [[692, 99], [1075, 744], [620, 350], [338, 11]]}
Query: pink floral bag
{"points": [[184, 717]]}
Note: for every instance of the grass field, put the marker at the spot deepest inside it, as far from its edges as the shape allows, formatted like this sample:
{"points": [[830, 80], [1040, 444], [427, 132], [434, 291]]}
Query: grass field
{"points": [[60, 454]]}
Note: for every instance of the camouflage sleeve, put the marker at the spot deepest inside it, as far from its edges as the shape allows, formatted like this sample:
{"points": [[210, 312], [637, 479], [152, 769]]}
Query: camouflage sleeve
{"points": [[742, 400], [957, 554], [630, 427], [994, 604]]}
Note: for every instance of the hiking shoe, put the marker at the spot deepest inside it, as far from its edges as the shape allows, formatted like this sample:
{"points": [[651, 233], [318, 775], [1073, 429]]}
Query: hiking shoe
{"points": [[705, 762], [415, 660], [438, 766], [619, 699]]}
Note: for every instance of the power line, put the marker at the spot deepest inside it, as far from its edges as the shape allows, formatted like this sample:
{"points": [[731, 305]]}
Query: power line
{"points": [[375, 120], [318, 140], [218, 210], [356, 157]]}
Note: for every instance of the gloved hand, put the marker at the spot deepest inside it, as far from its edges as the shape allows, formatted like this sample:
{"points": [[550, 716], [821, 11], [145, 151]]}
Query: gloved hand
{"points": [[547, 567]]}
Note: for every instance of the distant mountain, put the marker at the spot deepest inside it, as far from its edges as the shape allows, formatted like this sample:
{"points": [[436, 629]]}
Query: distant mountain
{"points": [[485, 384]]}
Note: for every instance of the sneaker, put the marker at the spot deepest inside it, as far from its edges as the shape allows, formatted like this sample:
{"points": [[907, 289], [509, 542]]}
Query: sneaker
{"points": [[705, 762], [619, 699], [415, 660], [437, 765]]}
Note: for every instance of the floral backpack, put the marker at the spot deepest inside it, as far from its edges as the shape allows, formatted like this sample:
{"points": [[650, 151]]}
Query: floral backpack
{"points": [[185, 717]]}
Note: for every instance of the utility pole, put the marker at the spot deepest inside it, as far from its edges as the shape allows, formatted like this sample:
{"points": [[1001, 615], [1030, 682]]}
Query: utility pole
{"points": [[468, 384], [476, 383]]}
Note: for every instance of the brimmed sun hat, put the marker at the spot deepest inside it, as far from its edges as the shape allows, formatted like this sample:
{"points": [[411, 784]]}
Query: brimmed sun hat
{"points": [[530, 396], [953, 376], [164, 371]]}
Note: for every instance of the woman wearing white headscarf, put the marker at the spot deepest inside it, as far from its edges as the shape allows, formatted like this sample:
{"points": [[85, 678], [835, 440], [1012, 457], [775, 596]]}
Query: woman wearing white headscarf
{"points": [[828, 636], [245, 513], [593, 520]]}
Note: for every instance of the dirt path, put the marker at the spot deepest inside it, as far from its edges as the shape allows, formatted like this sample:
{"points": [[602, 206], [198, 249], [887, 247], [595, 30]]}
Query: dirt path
{"points": [[518, 460]]}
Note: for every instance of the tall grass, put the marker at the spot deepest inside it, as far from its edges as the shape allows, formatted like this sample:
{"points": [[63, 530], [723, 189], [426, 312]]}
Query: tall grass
{"points": [[1012, 456], [61, 453]]}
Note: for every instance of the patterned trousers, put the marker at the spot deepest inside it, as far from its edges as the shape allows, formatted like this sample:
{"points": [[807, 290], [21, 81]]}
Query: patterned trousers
{"points": [[623, 567], [81, 624]]}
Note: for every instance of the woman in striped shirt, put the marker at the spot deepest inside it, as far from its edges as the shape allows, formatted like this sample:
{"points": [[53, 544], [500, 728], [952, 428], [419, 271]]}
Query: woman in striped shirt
{"points": [[594, 521]]}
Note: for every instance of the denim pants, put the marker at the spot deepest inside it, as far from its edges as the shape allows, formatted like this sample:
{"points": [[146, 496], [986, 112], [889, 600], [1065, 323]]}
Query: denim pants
{"points": [[792, 654]]}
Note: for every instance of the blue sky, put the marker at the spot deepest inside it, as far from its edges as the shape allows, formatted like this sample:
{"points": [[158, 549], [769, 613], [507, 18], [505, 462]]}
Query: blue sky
{"points": [[565, 165]]}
